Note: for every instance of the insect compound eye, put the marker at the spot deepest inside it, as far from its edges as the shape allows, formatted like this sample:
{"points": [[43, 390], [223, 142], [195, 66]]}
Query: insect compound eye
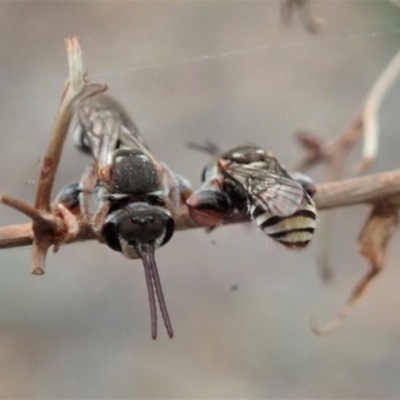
{"points": [[169, 229], [138, 224], [245, 155], [305, 181], [129, 164], [69, 196], [208, 207], [110, 231]]}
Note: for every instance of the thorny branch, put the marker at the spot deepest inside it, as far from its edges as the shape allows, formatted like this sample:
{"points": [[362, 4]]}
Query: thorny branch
{"points": [[372, 244], [54, 225], [334, 154], [363, 125], [367, 189], [384, 216]]}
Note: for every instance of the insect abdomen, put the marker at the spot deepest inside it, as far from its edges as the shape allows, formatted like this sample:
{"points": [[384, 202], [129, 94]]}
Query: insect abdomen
{"points": [[294, 231]]}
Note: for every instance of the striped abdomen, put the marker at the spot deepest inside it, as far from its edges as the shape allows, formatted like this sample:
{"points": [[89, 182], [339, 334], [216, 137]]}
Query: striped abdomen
{"points": [[294, 231]]}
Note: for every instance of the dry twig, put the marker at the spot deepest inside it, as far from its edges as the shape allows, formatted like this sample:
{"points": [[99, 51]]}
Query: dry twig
{"points": [[334, 154], [371, 109], [55, 226], [381, 223], [367, 189], [372, 243]]}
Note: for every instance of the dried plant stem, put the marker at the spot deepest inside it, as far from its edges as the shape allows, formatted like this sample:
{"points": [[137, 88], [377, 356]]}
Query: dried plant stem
{"points": [[372, 243], [365, 189], [364, 124], [76, 89], [371, 110], [330, 195], [53, 227], [24, 208], [334, 154]]}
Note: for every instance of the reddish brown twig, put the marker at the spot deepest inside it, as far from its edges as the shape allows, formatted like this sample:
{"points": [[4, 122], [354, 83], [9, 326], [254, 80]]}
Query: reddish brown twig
{"points": [[53, 227], [334, 154], [366, 189], [364, 125], [373, 240]]}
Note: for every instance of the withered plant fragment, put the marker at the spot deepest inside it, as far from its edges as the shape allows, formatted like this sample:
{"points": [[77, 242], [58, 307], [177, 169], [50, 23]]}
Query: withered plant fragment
{"points": [[372, 244], [334, 154]]}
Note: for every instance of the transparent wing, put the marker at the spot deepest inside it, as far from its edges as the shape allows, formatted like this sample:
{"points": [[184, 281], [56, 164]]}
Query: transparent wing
{"points": [[272, 165], [280, 196], [276, 193], [105, 126]]}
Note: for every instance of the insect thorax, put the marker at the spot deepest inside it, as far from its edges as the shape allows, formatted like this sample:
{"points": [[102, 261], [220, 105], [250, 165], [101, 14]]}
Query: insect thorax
{"points": [[133, 172]]}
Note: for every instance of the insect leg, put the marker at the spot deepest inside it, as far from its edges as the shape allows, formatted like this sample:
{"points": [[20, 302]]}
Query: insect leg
{"points": [[184, 187], [90, 209], [99, 219], [69, 196], [71, 224], [87, 185]]}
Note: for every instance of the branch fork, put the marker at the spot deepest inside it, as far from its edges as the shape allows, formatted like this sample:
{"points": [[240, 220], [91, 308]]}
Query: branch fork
{"points": [[54, 226]]}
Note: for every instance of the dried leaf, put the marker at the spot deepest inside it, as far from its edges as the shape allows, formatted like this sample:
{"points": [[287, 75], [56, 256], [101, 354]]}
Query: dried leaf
{"points": [[372, 244]]}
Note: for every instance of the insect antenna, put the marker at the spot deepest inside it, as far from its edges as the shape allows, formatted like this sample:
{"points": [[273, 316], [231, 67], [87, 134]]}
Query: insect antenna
{"points": [[159, 293], [150, 289], [209, 147]]}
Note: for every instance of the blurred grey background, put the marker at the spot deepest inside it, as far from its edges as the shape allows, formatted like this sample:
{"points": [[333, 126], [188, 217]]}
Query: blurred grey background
{"points": [[83, 329]]}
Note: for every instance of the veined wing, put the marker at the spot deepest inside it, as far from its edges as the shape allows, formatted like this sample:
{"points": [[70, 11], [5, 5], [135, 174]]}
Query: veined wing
{"points": [[104, 125], [278, 194], [273, 166]]}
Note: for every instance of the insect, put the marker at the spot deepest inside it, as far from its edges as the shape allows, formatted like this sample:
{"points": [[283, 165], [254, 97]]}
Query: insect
{"points": [[129, 198], [247, 181]]}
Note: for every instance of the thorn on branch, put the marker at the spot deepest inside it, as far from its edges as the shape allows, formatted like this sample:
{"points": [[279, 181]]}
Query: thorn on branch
{"points": [[53, 227], [314, 147], [333, 154], [364, 124]]}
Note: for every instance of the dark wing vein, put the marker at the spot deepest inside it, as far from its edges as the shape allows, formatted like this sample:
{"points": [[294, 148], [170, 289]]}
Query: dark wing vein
{"points": [[107, 127], [277, 194]]}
